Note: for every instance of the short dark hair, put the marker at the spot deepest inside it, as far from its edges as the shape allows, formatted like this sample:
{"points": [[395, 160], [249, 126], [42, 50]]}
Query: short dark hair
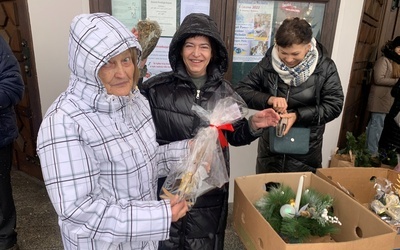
{"points": [[213, 44], [293, 31]]}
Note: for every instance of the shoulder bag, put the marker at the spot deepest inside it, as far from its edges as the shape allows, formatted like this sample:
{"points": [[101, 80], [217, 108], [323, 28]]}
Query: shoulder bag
{"points": [[296, 141]]}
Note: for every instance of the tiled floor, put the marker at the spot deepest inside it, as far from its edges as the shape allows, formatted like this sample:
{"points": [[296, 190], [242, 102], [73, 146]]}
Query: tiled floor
{"points": [[37, 221]]}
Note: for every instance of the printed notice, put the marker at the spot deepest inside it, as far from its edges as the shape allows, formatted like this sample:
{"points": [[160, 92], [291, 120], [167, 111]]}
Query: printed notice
{"points": [[252, 30], [158, 60], [164, 12], [194, 6], [127, 11]]}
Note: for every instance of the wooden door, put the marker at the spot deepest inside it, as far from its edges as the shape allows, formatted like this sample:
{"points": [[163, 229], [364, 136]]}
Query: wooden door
{"points": [[369, 42], [15, 28]]}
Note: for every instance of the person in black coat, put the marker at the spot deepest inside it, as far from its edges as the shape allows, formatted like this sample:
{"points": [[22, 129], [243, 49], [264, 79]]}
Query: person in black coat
{"points": [[11, 92], [298, 79], [199, 60], [390, 138]]}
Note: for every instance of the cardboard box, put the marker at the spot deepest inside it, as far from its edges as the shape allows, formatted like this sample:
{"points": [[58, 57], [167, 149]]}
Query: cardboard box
{"points": [[340, 161], [357, 181], [360, 228]]}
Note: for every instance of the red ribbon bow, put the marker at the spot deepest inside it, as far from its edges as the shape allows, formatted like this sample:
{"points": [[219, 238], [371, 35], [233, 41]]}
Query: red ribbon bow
{"points": [[221, 136]]}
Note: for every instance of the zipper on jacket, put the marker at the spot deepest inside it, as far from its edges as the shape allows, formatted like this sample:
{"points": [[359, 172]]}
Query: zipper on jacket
{"points": [[197, 94], [196, 119]]}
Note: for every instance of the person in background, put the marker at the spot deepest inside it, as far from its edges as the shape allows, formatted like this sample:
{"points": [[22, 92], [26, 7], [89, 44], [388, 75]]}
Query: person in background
{"points": [[97, 146], [297, 78], [11, 92], [386, 74], [199, 60], [390, 138]]}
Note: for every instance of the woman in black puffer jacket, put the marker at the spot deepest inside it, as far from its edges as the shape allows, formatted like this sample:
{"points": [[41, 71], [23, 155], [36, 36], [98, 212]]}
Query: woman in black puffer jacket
{"points": [[288, 79], [390, 138], [199, 59]]}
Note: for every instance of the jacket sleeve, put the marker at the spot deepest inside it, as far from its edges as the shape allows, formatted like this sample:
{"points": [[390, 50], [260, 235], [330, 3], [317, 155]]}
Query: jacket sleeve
{"points": [[170, 155], [241, 134], [11, 83], [381, 68], [251, 88], [73, 182], [331, 99]]}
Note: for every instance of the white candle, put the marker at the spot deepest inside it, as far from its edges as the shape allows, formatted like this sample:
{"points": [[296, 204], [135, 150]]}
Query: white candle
{"points": [[298, 195]]}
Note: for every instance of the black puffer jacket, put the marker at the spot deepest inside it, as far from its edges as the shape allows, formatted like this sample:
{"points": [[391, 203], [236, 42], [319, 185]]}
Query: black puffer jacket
{"points": [[11, 91], [263, 82], [390, 138], [171, 96]]}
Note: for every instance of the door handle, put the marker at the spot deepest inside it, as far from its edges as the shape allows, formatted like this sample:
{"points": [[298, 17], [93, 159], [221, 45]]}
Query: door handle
{"points": [[27, 57]]}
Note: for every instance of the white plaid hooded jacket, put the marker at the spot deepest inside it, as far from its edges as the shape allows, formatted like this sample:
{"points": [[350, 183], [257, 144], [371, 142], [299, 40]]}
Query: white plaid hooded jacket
{"points": [[99, 156]]}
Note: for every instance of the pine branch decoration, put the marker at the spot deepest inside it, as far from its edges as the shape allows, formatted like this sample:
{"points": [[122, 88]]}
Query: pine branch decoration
{"points": [[315, 217]]}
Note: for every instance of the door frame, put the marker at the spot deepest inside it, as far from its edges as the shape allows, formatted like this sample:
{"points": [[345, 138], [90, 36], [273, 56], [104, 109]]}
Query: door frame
{"points": [[16, 26]]}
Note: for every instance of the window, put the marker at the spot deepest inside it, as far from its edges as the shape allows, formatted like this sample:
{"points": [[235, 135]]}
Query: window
{"points": [[255, 26], [246, 34]]}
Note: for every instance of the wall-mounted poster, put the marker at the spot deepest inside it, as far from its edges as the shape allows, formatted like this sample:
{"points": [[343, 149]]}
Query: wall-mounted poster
{"points": [[158, 61], [256, 24], [252, 30], [164, 12], [127, 11], [194, 6]]}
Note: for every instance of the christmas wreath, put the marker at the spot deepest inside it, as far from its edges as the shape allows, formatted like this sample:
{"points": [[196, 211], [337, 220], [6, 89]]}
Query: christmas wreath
{"points": [[314, 218]]}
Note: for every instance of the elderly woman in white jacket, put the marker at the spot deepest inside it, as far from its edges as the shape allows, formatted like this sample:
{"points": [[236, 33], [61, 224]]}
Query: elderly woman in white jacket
{"points": [[97, 146]]}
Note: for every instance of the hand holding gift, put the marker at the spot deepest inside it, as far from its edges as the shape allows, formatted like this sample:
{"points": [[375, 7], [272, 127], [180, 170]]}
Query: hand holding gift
{"points": [[178, 208]]}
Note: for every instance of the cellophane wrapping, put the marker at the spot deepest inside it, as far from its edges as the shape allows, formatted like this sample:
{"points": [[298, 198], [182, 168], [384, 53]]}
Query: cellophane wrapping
{"points": [[204, 167]]}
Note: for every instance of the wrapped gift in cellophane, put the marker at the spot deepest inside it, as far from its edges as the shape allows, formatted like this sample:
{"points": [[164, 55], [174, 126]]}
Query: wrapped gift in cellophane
{"points": [[204, 167]]}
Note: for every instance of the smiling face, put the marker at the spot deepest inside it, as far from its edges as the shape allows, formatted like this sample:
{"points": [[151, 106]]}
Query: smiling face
{"points": [[118, 74], [294, 54], [196, 54]]}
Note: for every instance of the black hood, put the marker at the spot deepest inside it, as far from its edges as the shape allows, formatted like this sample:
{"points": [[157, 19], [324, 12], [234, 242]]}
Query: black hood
{"points": [[198, 24]]}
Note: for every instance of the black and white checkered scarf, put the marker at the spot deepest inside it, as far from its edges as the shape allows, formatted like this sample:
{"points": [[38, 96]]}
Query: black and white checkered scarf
{"points": [[297, 75]]}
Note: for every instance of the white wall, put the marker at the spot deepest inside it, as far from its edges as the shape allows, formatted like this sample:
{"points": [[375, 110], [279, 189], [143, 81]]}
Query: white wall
{"points": [[348, 24], [50, 22], [50, 25]]}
